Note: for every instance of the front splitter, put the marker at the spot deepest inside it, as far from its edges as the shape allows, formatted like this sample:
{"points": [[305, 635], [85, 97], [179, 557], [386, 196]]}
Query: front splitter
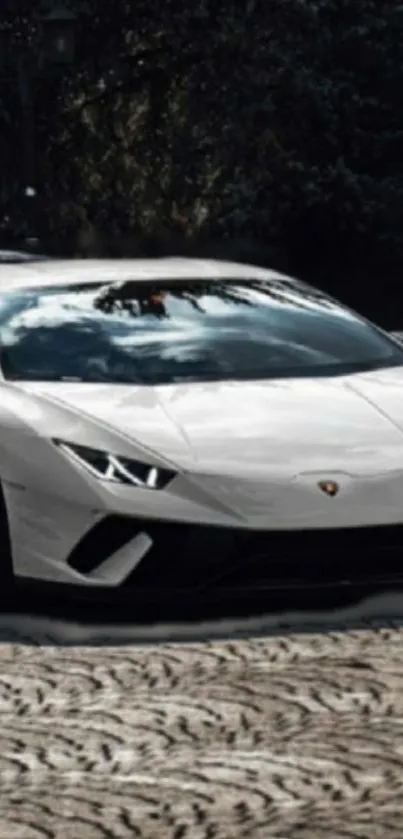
{"points": [[86, 605]]}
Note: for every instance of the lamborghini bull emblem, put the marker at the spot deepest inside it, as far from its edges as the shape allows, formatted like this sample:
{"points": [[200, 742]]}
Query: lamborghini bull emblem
{"points": [[330, 488]]}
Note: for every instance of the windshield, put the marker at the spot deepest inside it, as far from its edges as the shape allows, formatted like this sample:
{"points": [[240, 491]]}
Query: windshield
{"points": [[148, 333]]}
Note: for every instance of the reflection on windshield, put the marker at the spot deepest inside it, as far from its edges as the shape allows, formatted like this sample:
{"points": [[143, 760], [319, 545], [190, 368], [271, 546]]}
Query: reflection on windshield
{"points": [[148, 333]]}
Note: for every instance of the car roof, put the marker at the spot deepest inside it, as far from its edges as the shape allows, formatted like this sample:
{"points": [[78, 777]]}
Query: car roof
{"points": [[54, 272], [16, 257]]}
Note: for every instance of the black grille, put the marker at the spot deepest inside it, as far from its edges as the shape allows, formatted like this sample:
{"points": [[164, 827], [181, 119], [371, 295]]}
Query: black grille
{"points": [[197, 557]]}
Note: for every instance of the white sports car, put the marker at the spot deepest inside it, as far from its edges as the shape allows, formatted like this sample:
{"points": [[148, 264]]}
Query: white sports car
{"points": [[186, 424]]}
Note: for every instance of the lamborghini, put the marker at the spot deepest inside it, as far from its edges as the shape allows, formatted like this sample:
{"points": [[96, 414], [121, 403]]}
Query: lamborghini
{"points": [[183, 424]]}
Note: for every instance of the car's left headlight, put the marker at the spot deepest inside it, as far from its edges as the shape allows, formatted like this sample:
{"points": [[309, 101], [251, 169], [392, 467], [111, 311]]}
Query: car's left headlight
{"points": [[111, 467]]}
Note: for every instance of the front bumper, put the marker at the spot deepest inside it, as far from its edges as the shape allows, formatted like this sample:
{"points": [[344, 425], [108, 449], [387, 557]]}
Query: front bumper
{"points": [[198, 558], [78, 545]]}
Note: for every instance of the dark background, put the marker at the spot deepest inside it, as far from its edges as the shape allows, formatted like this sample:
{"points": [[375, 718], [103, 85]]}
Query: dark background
{"points": [[265, 132]]}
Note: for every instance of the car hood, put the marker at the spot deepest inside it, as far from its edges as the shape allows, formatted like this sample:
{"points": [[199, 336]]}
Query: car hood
{"points": [[352, 423]]}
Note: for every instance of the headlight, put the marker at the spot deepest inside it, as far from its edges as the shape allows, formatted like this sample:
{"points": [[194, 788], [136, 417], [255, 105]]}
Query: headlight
{"points": [[122, 470]]}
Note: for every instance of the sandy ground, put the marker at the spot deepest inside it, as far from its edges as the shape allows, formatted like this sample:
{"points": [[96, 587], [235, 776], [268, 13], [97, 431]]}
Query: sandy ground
{"points": [[294, 735]]}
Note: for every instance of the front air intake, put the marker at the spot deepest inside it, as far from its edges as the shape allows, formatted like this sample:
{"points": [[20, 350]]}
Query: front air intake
{"points": [[182, 556], [102, 541]]}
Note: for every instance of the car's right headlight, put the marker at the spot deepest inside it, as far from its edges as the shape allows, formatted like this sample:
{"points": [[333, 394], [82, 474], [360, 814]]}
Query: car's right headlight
{"points": [[117, 469]]}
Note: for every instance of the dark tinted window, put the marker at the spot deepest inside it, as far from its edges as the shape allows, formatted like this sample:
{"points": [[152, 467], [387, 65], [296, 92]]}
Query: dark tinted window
{"points": [[184, 331]]}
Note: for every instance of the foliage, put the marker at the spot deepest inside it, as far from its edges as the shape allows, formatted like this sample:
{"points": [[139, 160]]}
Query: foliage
{"points": [[230, 120]]}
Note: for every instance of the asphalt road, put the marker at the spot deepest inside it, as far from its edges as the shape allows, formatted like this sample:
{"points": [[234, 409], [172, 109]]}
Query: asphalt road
{"points": [[291, 735]]}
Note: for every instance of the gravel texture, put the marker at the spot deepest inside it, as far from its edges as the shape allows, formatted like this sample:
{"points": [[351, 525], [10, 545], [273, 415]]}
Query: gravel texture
{"points": [[295, 735]]}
